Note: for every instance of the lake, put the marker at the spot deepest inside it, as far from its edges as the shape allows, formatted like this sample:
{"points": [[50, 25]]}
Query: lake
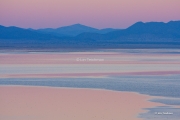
{"points": [[152, 72]]}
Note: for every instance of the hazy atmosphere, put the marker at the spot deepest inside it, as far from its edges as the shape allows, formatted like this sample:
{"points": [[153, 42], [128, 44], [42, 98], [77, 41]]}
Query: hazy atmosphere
{"points": [[89, 59], [94, 13]]}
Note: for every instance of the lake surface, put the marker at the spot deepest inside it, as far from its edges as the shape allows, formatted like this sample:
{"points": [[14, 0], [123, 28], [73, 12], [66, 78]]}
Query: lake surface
{"points": [[154, 72]]}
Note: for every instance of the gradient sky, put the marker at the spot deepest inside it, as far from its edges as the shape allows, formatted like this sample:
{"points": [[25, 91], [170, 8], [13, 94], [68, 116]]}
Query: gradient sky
{"points": [[95, 13]]}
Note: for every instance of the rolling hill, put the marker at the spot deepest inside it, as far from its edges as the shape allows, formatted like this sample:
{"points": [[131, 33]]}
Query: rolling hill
{"points": [[139, 35]]}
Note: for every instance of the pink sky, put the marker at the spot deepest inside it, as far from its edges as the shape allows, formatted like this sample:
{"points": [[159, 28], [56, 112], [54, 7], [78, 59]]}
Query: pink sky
{"points": [[95, 13]]}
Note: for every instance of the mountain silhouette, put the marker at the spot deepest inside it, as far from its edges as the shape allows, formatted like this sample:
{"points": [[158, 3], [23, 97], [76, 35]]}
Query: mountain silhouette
{"points": [[140, 32], [74, 30], [23, 34], [139, 35]]}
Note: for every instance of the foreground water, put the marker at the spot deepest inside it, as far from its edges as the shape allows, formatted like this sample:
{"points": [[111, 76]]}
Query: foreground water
{"points": [[151, 72]]}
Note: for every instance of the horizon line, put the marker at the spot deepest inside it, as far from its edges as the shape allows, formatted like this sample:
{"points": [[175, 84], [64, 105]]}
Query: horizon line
{"points": [[90, 26]]}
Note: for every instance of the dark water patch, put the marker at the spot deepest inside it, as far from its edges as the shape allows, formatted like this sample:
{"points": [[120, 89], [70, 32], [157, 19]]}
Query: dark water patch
{"points": [[166, 86], [167, 101]]}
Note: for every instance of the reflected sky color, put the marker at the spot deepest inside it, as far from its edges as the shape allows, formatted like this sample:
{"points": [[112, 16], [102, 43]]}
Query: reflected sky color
{"points": [[87, 64], [42, 103], [152, 73]]}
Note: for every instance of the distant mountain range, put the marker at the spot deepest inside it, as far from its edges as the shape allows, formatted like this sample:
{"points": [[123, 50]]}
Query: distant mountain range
{"points": [[139, 35], [74, 30]]}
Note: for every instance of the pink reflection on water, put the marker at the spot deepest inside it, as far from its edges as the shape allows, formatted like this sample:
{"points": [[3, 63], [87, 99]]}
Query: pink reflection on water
{"points": [[42, 103], [77, 75], [71, 58]]}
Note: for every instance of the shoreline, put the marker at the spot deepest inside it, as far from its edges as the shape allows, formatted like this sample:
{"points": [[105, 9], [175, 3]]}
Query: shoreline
{"points": [[67, 50], [75, 88], [77, 102]]}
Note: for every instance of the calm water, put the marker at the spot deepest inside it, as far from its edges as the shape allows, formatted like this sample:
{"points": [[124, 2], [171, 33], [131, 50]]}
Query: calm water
{"points": [[152, 72]]}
